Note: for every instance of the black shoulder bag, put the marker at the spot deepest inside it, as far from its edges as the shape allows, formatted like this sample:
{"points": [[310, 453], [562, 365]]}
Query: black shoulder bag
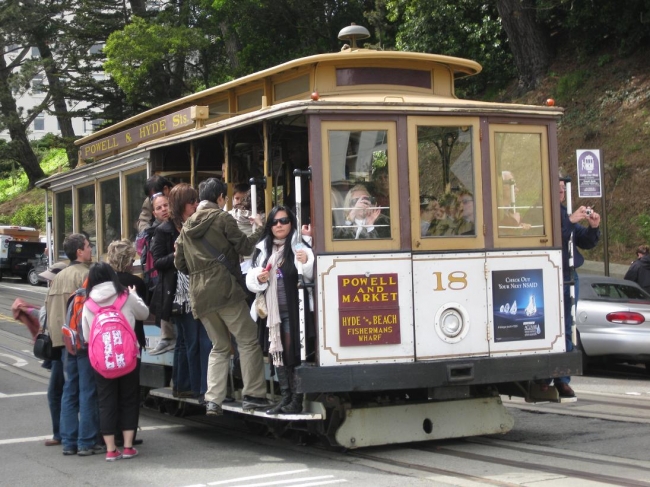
{"points": [[222, 259], [43, 348]]}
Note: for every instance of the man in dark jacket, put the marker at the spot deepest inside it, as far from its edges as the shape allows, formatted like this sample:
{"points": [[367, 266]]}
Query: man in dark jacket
{"points": [[639, 271], [208, 250], [584, 238]]}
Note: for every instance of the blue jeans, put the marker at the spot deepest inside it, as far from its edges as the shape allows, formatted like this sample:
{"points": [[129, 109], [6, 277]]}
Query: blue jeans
{"points": [[197, 349], [79, 408], [54, 395], [180, 367], [568, 320]]}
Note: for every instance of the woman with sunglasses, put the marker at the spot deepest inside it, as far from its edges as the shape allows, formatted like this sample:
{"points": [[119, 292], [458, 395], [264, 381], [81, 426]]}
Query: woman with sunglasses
{"points": [[279, 253]]}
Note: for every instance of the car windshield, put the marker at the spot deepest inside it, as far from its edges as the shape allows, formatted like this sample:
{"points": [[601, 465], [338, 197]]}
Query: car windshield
{"points": [[619, 291]]}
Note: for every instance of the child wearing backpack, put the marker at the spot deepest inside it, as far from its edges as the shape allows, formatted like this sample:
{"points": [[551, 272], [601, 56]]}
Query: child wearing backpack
{"points": [[108, 320]]}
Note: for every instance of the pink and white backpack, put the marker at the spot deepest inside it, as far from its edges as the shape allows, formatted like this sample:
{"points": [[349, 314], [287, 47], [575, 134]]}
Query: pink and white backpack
{"points": [[113, 346]]}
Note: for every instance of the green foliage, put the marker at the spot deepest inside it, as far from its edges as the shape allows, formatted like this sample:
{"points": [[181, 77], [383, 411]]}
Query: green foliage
{"points": [[281, 30], [469, 29], [569, 84], [643, 226], [16, 183], [138, 55], [30, 216], [592, 24], [604, 59]]}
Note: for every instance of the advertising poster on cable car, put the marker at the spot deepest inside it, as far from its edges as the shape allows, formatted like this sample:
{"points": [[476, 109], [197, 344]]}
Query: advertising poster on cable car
{"points": [[518, 297]]}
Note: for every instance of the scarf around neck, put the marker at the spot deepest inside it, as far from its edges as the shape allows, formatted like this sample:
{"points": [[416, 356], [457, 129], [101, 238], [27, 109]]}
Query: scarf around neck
{"points": [[273, 320]]}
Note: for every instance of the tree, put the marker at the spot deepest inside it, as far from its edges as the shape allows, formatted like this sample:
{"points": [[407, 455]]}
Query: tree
{"points": [[147, 60], [467, 28], [11, 118], [39, 33], [528, 41]]}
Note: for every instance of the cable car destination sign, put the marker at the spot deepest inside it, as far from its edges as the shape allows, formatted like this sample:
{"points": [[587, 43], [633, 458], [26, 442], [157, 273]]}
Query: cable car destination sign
{"points": [[368, 310], [141, 133]]}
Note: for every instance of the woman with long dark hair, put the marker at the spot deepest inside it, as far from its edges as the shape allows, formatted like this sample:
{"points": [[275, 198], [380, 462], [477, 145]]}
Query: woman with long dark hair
{"points": [[119, 398], [278, 256]]}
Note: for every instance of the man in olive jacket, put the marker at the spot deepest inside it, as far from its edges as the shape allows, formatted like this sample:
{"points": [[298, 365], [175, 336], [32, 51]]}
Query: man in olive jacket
{"points": [[208, 250]]}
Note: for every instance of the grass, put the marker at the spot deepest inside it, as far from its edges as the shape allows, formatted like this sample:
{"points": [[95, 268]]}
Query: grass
{"points": [[17, 183]]}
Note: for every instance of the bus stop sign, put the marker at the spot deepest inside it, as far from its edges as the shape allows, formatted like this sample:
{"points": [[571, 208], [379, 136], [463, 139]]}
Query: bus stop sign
{"points": [[589, 173]]}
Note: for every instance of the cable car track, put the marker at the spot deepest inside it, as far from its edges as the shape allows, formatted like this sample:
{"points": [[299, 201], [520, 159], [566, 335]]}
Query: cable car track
{"points": [[468, 460], [484, 460]]}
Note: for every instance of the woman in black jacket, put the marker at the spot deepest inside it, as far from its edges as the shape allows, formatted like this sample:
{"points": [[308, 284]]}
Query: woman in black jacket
{"points": [[172, 299], [162, 250]]}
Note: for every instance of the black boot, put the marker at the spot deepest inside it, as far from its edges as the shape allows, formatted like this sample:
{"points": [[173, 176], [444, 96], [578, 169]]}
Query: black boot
{"points": [[285, 390], [295, 406]]}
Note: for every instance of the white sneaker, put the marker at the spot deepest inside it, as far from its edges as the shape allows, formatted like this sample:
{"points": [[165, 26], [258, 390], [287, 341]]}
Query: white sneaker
{"points": [[163, 346]]}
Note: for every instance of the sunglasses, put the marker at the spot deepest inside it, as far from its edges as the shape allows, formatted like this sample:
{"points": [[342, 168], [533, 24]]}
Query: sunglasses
{"points": [[285, 220], [154, 196]]}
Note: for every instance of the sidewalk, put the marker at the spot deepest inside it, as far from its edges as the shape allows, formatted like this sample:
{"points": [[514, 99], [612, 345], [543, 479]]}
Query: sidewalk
{"points": [[598, 268]]}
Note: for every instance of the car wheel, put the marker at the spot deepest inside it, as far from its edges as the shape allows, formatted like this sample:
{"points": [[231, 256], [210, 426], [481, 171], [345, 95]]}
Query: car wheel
{"points": [[32, 277], [586, 360]]}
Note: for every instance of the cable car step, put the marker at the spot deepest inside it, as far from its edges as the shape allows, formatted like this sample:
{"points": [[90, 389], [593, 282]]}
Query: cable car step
{"points": [[236, 407]]}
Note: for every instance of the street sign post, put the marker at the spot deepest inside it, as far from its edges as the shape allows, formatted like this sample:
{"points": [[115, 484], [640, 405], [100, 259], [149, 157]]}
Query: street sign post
{"points": [[590, 185]]}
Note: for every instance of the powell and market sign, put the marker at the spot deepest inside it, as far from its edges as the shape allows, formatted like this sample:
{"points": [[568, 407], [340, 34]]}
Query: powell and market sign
{"points": [[141, 133]]}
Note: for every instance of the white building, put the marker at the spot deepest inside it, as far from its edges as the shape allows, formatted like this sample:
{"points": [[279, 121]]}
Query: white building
{"points": [[46, 123]]}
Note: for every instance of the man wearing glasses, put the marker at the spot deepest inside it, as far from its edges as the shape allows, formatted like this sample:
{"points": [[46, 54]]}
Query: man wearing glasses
{"points": [[208, 250], [154, 185]]}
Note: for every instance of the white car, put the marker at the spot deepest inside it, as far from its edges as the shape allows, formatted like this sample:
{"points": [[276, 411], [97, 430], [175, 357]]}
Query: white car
{"points": [[613, 320]]}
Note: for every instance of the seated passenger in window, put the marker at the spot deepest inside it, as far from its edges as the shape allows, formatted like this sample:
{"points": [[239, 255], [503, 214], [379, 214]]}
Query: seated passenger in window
{"points": [[510, 220], [466, 220], [380, 188], [447, 221], [363, 217], [430, 213]]}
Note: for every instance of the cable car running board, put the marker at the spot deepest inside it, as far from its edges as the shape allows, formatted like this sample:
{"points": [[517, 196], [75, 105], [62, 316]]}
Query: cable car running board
{"points": [[236, 407]]}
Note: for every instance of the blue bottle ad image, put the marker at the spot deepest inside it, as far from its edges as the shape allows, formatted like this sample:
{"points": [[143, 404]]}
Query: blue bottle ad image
{"points": [[518, 298]]}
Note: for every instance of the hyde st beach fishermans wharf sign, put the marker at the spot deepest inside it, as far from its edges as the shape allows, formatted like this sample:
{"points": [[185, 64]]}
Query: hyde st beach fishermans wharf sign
{"points": [[141, 133], [368, 310]]}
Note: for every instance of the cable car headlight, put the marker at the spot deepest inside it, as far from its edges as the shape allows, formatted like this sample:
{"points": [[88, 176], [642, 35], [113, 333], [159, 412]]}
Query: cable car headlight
{"points": [[452, 323]]}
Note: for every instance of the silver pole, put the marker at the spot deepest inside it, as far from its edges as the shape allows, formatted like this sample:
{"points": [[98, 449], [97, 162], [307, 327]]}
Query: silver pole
{"points": [[301, 288], [569, 208]]}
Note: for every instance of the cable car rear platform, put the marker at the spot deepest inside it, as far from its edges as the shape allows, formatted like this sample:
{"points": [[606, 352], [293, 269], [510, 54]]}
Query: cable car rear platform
{"points": [[236, 407]]}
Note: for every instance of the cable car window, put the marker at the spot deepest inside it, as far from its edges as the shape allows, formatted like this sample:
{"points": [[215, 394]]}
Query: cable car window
{"points": [[86, 213], [63, 220], [519, 181], [110, 212], [134, 197], [446, 176], [359, 184]]}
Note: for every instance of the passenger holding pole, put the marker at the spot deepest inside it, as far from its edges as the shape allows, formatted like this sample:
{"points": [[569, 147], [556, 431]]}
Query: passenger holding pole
{"points": [[281, 256], [574, 236]]}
